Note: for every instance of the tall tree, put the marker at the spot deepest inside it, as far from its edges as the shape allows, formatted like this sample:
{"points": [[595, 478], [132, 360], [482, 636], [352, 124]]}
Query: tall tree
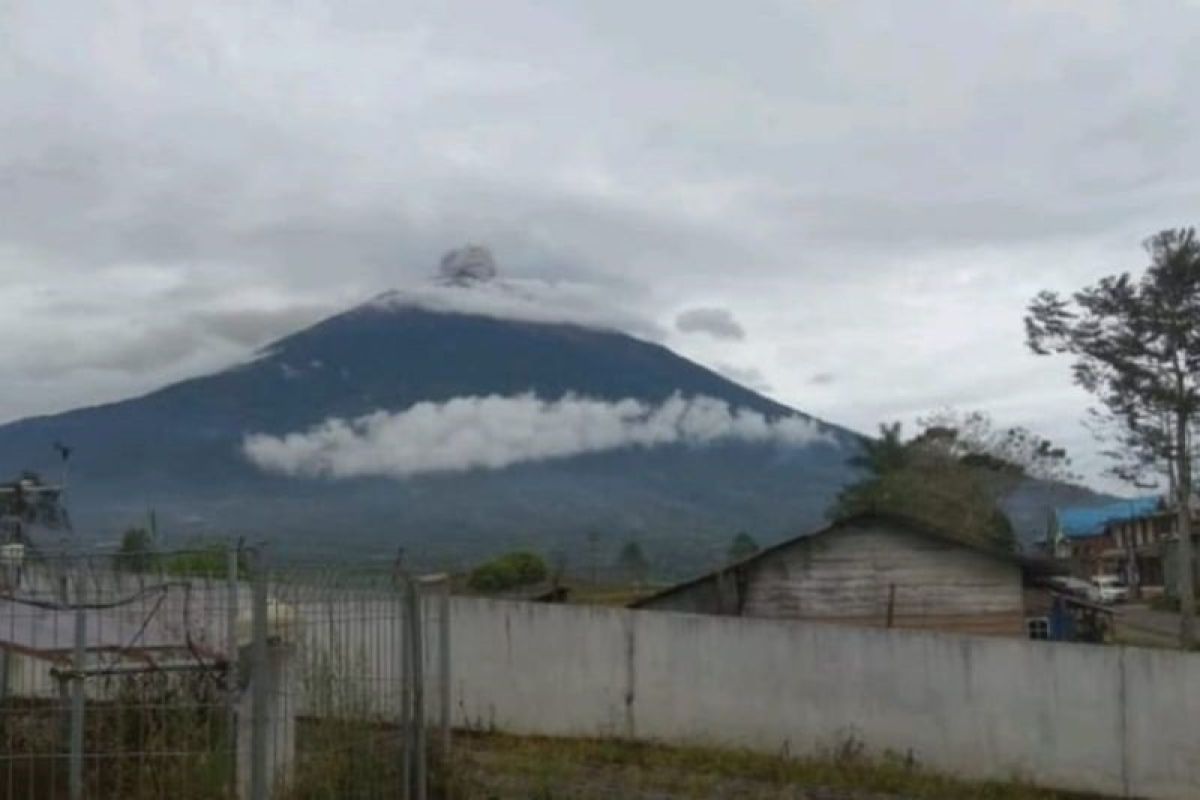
{"points": [[975, 439], [1136, 347], [953, 474], [883, 455]]}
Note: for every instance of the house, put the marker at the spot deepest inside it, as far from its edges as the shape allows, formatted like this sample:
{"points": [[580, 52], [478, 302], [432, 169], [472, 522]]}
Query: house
{"points": [[1141, 545], [1085, 535], [873, 569]]}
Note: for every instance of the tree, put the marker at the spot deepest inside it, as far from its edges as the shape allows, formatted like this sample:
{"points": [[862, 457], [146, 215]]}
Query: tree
{"points": [[742, 547], [136, 553], [1015, 451], [1136, 348], [952, 475], [509, 571], [632, 561], [886, 454]]}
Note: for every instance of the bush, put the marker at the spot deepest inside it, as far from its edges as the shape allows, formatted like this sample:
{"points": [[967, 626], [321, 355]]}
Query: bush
{"points": [[211, 560], [508, 572]]}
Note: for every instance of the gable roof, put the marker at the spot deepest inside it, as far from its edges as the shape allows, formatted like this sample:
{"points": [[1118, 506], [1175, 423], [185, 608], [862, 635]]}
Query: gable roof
{"points": [[855, 520], [1085, 522]]}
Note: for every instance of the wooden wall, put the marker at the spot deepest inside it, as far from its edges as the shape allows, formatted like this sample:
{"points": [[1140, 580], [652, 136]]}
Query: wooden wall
{"points": [[847, 575]]}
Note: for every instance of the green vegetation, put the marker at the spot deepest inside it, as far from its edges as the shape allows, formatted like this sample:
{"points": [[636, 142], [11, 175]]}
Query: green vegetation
{"points": [[509, 571], [742, 547], [138, 553], [1135, 346], [204, 560], [951, 475], [508, 768]]}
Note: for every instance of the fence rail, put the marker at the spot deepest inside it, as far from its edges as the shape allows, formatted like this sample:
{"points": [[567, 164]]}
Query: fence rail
{"points": [[191, 676]]}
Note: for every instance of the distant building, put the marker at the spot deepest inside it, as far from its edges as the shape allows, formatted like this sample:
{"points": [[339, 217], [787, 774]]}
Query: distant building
{"points": [[1085, 537], [1136, 539], [877, 570]]}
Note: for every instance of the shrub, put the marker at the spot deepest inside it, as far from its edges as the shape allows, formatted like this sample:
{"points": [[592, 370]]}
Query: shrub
{"points": [[508, 572], [209, 560]]}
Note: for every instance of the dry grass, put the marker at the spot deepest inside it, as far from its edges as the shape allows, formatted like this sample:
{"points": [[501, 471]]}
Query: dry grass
{"points": [[619, 595], [511, 768]]}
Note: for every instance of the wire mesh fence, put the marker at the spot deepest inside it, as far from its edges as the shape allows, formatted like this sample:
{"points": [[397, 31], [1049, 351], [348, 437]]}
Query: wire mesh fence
{"points": [[215, 674]]}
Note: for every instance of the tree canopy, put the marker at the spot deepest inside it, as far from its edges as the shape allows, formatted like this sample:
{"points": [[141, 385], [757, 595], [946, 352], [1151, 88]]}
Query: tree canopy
{"points": [[509, 571], [1135, 346], [952, 474]]}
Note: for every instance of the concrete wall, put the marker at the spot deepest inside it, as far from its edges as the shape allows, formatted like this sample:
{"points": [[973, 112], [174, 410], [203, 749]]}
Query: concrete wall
{"points": [[1112, 720]]}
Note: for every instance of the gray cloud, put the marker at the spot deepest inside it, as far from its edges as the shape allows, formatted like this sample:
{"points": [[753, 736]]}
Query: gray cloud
{"points": [[255, 327], [822, 378], [193, 184], [716, 322]]}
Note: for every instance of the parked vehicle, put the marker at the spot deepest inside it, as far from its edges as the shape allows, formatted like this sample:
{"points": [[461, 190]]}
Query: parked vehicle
{"points": [[1109, 589], [1073, 586]]}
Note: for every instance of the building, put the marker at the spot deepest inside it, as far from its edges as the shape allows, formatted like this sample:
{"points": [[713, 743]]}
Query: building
{"points": [[873, 569], [1086, 536], [1139, 546]]}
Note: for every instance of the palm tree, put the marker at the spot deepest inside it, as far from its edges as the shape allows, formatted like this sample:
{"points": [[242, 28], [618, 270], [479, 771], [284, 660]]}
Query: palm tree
{"points": [[886, 454]]}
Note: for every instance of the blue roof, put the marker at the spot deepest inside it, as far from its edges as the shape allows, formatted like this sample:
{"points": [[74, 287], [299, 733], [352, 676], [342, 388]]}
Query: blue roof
{"points": [[1082, 522]]}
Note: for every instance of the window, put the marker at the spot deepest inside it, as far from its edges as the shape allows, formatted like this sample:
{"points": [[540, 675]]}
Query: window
{"points": [[1038, 627]]}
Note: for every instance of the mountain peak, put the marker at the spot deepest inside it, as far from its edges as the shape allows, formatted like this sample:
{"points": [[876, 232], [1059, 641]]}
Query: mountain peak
{"points": [[466, 266]]}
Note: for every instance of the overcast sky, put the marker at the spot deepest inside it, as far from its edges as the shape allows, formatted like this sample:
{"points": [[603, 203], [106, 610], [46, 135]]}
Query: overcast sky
{"points": [[845, 205]]}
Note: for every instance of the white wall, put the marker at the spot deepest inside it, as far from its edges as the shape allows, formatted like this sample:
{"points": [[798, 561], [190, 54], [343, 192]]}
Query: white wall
{"points": [[1111, 720]]}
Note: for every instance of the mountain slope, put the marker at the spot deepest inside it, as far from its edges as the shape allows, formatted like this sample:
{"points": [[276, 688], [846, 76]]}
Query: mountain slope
{"points": [[179, 450]]}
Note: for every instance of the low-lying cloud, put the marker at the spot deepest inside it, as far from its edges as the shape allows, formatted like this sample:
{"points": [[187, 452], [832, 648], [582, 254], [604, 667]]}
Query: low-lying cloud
{"points": [[493, 432]]}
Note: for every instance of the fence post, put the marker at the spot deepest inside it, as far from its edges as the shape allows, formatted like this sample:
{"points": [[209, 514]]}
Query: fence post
{"points": [[258, 682], [232, 691], [79, 664], [406, 726], [417, 673], [444, 668]]}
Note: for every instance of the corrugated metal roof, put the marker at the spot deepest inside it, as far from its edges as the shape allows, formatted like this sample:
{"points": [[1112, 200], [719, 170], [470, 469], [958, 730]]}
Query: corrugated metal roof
{"points": [[1085, 522]]}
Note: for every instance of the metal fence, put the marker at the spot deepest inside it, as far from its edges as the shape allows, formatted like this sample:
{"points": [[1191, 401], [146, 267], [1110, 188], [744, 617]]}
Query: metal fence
{"points": [[216, 674]]}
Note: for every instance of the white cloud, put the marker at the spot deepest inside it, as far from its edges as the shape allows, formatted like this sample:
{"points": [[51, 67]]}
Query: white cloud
{"points": [[494, 432], [716, 322], [527, 299]]}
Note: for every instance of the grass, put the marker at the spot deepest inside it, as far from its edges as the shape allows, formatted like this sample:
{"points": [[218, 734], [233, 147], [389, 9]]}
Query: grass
{"points": [[507, 768], [619, 595]]}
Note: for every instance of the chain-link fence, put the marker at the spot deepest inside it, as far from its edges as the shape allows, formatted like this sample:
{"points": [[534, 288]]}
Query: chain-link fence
{"points": [[214, 674]]}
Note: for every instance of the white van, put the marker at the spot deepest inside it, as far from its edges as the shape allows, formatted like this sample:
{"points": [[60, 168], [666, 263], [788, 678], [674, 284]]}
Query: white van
{"points": [[1108, 589]]}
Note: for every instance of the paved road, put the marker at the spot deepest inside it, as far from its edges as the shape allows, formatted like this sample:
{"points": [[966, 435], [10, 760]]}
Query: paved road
{"points": [[1142, 622]]}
